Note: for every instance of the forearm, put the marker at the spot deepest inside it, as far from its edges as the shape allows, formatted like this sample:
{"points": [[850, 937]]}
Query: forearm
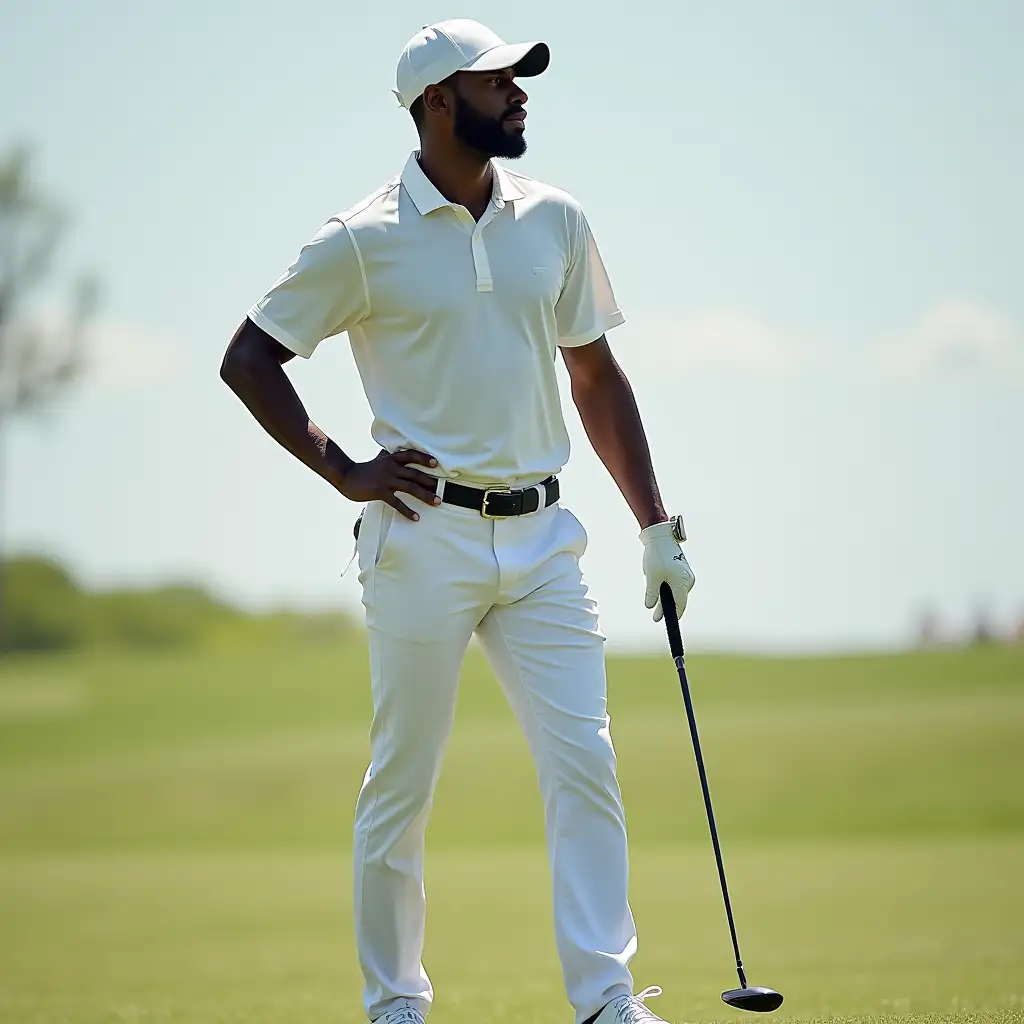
{"points": [[261, 383], [613, 425]]}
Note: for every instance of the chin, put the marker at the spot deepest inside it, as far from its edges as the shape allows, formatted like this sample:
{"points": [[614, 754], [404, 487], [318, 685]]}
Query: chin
{"points": [[516, 148]]}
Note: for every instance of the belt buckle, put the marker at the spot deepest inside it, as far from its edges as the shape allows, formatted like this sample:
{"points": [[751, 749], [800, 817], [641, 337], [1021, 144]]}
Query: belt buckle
{"points": [[487, 495]]}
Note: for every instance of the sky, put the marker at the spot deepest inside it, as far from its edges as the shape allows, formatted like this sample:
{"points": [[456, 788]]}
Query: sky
{"points": [[812, 215]]}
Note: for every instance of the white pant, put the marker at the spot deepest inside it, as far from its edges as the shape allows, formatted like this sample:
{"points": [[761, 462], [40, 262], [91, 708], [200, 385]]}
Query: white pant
{"points": [[427, 587]]}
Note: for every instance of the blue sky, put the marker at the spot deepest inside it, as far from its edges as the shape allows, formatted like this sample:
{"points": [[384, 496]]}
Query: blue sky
{"points": [[812, 215]]}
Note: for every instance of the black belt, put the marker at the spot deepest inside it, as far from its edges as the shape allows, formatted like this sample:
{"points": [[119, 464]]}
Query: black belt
{"points": [[501, 502]]}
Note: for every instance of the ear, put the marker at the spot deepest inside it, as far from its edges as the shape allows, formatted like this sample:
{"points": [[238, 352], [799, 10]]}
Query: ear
{"points": [[436, 99]]}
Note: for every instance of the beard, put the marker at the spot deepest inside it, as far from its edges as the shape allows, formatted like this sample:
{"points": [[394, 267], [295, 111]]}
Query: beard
{"points": [[485, 134]]}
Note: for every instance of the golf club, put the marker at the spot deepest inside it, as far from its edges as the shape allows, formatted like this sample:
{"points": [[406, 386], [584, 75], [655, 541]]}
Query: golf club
{"points": [[746, 997]]}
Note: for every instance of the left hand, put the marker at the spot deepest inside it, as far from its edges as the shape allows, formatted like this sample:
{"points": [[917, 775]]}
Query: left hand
{"points": [[664, 562]]}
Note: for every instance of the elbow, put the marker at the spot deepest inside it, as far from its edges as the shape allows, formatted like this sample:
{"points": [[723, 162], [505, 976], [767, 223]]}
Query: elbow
{"points": [[590, 382], [234, 367], [238, 368], [251, 358], [230, 371]]}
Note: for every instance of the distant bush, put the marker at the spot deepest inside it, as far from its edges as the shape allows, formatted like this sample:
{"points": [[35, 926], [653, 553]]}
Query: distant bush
{"points": [[168, 617], [46, 610]]}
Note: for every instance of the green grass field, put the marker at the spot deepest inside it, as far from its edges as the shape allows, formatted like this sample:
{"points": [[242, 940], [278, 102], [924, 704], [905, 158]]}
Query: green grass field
{"points": [[174, 836]]}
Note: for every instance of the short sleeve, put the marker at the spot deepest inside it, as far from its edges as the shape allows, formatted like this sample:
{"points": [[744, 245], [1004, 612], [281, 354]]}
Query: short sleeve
{"points": [[586, 307], [321, 294]]}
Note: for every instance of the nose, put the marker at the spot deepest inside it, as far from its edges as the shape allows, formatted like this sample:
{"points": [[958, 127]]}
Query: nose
{"points": [[517, 96]]}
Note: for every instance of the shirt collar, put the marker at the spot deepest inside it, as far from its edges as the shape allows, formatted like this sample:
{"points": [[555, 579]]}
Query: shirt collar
{"points": [[505, 188], [426, 197]]}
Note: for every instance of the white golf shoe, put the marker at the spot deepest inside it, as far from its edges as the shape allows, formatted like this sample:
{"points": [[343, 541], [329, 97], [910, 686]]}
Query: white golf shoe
{"points": [[400, 1015], [630, 1009]]}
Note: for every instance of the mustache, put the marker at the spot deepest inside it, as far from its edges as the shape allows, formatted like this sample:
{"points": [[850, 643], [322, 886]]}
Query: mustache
{"points": [[512, 110]]}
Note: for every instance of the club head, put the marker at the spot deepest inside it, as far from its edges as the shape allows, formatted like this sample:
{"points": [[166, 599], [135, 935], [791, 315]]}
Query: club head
{"points": [[759, 1000]]}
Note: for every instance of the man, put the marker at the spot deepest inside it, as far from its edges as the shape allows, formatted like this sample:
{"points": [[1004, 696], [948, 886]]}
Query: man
{"points": [[458, 282]]}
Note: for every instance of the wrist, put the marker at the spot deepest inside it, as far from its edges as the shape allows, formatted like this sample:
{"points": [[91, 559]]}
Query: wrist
{"points": [[669, 527], [653, 518], [652, 512], [336, 465]]}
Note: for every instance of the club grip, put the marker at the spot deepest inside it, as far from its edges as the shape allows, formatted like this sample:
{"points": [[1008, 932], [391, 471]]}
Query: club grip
{"points": [[668, 607]]}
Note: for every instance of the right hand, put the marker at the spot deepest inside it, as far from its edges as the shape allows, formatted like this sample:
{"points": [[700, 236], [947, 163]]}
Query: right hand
{"points": [[382, 477]]}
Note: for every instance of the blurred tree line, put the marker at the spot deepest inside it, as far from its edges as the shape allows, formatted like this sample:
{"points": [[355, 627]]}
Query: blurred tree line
{"points": [[40, 353], [48, 611]]}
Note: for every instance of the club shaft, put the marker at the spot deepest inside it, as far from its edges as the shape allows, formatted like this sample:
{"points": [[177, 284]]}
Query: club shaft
{"points": [[675, 642], [692, 720]]}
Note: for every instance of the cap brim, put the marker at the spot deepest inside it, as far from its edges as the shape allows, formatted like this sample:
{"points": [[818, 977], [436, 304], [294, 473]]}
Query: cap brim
{"points": [[526, 59]]}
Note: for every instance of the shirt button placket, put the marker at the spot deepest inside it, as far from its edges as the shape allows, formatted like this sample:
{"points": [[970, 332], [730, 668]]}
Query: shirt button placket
{"points": [[482, 265]]}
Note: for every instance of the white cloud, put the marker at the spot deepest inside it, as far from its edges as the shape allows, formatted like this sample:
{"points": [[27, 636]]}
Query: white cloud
{"points": [[121, 355], [728, 339], [117, 355], [955, 335]]}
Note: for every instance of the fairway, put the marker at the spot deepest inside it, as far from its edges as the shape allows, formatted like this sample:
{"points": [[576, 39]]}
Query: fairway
{"points": [[174, 836]]}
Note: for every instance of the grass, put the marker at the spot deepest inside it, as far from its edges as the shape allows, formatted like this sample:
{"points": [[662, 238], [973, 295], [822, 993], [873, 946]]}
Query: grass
{"points": [[174, 836]]}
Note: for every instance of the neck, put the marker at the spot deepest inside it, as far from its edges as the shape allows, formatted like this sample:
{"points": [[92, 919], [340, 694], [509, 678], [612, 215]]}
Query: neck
{"points": [[460, 174]]}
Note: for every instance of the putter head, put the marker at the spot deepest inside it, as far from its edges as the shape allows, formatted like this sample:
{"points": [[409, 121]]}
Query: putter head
{"points": [[759, 1000]]}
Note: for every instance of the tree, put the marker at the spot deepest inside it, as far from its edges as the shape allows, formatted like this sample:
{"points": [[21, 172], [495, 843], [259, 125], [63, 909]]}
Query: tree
{"points": [[39, 355]]}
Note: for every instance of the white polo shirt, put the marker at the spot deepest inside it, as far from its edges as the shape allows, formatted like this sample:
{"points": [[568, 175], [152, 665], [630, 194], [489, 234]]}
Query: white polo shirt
{"points": [[454, 324]]}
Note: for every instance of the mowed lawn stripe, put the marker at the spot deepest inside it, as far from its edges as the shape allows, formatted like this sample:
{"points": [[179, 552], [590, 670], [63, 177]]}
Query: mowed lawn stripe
{"points": [[844, 929]]}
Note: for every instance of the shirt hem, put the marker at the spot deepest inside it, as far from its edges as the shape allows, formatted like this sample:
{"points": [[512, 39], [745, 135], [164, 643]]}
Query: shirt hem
{"points": [[279, 334], [588, 338]]}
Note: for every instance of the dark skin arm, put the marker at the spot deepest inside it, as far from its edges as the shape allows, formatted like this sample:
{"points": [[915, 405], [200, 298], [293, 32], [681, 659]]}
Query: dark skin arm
{"points": [[253, 368], [612, 421]]}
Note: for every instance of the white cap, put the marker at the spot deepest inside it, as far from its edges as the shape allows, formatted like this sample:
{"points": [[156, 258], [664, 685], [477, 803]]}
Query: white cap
{"points": [[439, 50]]}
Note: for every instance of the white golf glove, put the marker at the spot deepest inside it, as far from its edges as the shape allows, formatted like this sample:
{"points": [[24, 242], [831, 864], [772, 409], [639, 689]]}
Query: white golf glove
{"points": [[664, 562]]}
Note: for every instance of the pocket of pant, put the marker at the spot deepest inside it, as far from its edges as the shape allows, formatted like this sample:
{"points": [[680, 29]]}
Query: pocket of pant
{"points": [[373, 534], [579, 546]]}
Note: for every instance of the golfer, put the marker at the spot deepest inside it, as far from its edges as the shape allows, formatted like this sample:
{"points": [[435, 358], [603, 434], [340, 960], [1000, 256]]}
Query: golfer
{"points": [[459, 283]]}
